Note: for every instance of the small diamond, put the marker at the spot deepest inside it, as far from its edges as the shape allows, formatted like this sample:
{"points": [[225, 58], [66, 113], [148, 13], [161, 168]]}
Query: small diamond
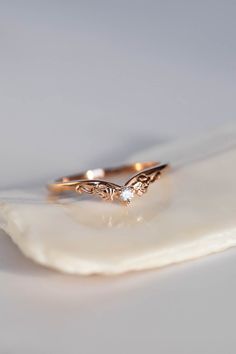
{"points": [[126, 194]]}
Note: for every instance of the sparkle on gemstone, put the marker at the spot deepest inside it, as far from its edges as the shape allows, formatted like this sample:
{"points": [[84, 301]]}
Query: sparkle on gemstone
{"points": [[126, 194]]}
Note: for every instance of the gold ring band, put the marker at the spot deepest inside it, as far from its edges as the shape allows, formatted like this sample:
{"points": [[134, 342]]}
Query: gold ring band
{"points": [[91, 181]]}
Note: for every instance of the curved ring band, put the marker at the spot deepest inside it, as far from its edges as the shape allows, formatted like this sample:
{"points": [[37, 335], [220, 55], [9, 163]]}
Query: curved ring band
{"points": [[92, 182]]}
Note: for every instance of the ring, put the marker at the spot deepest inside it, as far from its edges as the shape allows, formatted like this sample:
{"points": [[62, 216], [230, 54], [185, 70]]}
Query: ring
{"points": [[91, 181]]}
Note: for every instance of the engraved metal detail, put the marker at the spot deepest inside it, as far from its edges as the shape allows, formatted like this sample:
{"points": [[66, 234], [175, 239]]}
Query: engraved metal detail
{"points": [[104, 190]]}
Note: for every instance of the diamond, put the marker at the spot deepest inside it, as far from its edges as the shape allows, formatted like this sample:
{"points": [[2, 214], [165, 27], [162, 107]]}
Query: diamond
{"points": [[126, 194]]}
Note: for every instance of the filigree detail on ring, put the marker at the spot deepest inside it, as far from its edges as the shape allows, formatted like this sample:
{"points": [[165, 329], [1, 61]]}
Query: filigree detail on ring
{"points": [[104, 190], [85, 187], [141, 184]]}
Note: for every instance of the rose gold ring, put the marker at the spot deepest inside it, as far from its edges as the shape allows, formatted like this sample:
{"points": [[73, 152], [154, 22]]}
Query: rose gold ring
{"points": [[92, 182]]}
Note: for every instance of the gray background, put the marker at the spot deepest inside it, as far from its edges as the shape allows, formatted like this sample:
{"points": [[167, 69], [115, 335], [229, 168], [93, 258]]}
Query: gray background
{"points": [[85, 83]]}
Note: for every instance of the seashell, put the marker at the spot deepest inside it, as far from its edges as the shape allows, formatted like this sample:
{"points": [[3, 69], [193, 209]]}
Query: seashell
{"points": [[189, 213]]}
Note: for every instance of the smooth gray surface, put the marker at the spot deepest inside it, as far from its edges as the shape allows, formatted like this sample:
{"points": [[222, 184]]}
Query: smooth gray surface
{"points": [[85, 83]]}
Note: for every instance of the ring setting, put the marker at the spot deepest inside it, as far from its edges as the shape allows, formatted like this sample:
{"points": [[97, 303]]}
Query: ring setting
{"points": [[126, 194]]}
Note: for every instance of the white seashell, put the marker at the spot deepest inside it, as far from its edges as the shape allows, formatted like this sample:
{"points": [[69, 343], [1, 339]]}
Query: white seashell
{"points": [[189, 213]]}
